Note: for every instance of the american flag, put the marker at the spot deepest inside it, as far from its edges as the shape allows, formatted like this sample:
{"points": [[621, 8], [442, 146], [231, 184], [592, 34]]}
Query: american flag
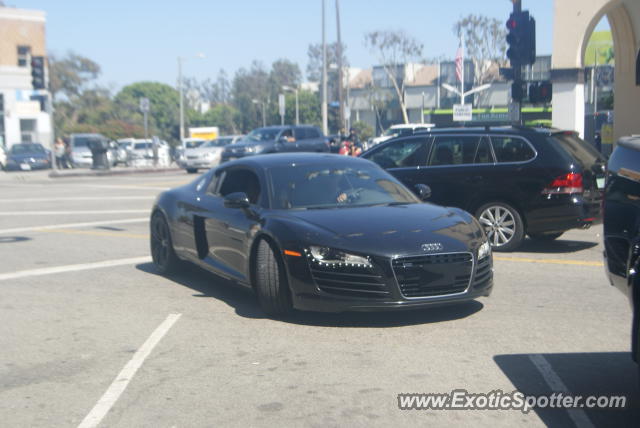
{"points": [[459, 62]]}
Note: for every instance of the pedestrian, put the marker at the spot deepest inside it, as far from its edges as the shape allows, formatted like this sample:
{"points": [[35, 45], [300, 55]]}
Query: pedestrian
{"points": [[59, 150], [68, 155]]}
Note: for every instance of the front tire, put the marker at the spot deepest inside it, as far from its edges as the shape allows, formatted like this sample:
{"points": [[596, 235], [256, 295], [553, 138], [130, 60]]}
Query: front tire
{"points": [[502, 224], [271, 282], [162, 252]]}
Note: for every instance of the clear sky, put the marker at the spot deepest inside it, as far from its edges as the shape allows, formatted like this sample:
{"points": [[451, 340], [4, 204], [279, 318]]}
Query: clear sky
{"points": [[140, 39]]}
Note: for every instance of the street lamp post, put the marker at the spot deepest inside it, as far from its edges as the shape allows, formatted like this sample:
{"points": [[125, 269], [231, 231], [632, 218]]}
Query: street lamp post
{"points": [[294, 90], [262, 104], [181, 90]]}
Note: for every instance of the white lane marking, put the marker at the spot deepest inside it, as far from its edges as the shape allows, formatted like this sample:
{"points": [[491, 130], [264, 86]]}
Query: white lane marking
{"points": [[121, 381], [71, 225], [82, 198], [125, 186], [73, 268], [578, 416], [21, 213]]}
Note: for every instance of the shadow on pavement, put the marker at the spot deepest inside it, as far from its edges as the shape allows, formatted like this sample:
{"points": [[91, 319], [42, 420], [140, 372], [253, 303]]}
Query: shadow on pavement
{"points": [[554, 247], [245, 304], [585, 374], [13, 239]]}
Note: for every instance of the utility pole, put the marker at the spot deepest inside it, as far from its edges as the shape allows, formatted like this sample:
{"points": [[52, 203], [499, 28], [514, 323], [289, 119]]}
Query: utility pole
{"points": [[325, 118], [180, 84], [340, 69]]}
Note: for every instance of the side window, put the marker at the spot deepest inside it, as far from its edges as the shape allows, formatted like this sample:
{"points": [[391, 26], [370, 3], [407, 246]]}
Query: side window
{"points": [[300, 133], [512, 149], [454, 150], [402, 154], [212, 189], [288, 134], [483, 154], [241, 180], [313, 133]]}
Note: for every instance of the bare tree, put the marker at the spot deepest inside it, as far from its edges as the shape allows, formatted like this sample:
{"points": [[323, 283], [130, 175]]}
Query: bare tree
{"points": [[485, 41], [395, 49]]}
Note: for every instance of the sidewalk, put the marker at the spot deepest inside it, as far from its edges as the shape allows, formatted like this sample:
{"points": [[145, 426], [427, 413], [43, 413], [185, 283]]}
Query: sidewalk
{"points": [[86, 172]]}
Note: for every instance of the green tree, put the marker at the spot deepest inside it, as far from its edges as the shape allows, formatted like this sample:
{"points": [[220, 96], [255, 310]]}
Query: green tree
{"points": [[164, 112], [70, 75], [363, 130], [249, 85]]}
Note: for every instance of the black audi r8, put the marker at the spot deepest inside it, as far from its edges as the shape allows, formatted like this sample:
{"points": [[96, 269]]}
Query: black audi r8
{"points": [[322, 232]]}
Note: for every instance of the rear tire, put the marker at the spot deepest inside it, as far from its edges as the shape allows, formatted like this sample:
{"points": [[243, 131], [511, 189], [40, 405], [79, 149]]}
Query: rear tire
{"points": [[192, 170], [545, 236], [162, 252], [271, 282], [502, 224]]}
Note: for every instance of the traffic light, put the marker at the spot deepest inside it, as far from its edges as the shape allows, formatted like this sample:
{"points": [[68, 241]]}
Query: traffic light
{"points": [[540, 93], [37, 72], [521, 38]]}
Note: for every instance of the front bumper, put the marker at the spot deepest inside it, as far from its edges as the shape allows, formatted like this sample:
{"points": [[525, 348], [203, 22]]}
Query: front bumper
{"points": [[309, 295]]}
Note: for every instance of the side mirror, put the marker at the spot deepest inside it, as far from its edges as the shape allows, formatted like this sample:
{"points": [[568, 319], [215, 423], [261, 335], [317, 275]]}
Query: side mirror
{"points": [[423, 191], [236, 200]]}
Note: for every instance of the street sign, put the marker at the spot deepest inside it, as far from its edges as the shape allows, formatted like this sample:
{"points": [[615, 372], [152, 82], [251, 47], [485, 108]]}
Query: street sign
{"points": [[281, 105], [462, 112], [145, 105]]}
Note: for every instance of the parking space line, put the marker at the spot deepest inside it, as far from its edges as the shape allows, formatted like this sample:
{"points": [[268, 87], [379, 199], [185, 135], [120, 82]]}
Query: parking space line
{"points": [[73, 268], [578, 416], [123, 378], [83, 212], [81, 198], [71, 225], [97, 233], [549, 261]]}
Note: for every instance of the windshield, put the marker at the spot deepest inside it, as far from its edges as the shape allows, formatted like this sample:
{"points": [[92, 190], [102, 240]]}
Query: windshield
{"points": [[125, 145], [219, 142], [193, 144], [141, 146], [263, 134], [320, 186], [23, 149], [81, 141]]}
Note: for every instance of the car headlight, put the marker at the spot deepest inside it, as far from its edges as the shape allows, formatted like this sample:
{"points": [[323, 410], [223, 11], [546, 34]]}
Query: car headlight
{"points": [[250, 150], [484, 250], [330, 256]]}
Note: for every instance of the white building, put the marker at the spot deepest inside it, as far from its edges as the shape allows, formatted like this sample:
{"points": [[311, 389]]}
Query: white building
{"points": [[23, 110]]}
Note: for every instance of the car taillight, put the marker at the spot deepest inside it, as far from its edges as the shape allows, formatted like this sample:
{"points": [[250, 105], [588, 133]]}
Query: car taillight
{"points": [[565, 184]]}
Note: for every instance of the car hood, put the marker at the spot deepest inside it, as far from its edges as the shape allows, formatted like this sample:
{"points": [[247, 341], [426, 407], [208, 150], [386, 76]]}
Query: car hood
{"points": [[391, 230]]}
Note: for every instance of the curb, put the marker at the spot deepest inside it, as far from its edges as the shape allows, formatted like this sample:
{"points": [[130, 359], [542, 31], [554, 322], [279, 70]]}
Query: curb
{"points": [[107, 173]]}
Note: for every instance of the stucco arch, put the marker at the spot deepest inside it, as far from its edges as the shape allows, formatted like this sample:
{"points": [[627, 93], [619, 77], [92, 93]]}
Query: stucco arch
{"points": [[574, 22]]}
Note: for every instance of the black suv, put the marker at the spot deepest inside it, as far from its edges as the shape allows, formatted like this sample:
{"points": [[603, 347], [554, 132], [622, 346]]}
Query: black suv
{"points": [[517, 181], [277, 139], [622, 228]]}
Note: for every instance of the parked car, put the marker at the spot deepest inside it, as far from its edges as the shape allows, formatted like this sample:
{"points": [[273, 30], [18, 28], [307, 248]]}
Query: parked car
{"points": [[141, 153], [516, 181], [27, 157], [321, 232], [400, 130], [80, 153], [186, 144], [207, 155], [621, 218], [278, 139]]}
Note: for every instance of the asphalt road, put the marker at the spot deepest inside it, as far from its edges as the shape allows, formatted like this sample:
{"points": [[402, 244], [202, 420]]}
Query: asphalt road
{"points": [[89, 332]]}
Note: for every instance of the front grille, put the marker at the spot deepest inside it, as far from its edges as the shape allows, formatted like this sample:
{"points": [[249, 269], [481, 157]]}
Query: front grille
{"points": [[349, 281], [433, 275], [193, 157]]}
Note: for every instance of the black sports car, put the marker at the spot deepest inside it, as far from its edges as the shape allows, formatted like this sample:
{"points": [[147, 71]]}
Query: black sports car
{"points": [[322, 232]]}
